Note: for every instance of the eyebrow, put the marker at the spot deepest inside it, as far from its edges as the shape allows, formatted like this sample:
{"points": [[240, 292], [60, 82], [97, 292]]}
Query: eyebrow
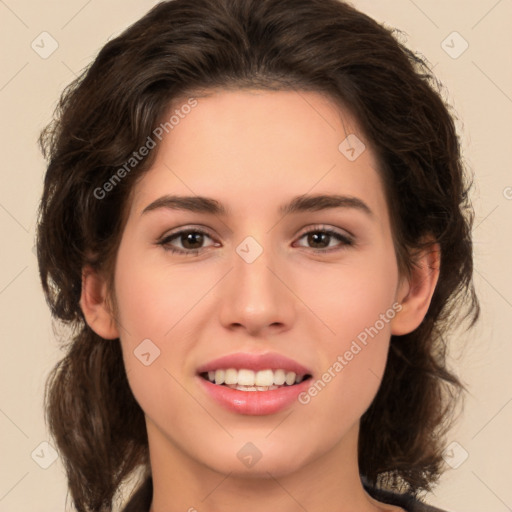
{"points": [[303, 203]]}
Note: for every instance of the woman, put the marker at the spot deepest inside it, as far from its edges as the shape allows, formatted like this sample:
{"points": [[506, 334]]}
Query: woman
{"points": [[256, 218]]}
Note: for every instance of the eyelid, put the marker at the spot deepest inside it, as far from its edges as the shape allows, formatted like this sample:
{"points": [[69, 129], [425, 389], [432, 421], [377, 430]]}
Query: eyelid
{"points": [[186, 228], [201, 229], [165, 241], [325, 227], [345, 239]]}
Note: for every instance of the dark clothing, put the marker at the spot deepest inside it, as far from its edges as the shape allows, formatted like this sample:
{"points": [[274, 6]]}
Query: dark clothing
{"points": [[405, 501], [141, 500]]}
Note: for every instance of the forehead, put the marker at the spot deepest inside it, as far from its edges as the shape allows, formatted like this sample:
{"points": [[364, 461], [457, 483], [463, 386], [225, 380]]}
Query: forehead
{"points": [[235, 145]]}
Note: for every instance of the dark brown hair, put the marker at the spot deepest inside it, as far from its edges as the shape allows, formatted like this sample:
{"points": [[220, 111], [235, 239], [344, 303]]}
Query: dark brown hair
{"points": [[184, 47]]}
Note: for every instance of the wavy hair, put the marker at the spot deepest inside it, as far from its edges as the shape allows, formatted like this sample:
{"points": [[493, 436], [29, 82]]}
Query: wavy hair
{"points": [[186, 47]]}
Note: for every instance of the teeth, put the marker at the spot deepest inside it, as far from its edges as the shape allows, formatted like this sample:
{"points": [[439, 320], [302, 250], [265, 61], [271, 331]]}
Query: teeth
{"points": [[245, 378], [231, 376], [290, 378], [264, 379], [219, 376], [279, 377], [252, 388]]}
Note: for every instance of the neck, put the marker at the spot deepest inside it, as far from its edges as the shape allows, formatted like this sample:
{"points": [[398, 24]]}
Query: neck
{"points": [[329, 481]]}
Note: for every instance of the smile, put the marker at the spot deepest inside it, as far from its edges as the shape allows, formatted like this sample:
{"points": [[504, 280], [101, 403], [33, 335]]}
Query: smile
{"points": [[253, 383], [249, 380]]}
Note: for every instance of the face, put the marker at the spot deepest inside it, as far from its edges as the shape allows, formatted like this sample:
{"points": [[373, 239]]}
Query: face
{"points": [[313, 289]]}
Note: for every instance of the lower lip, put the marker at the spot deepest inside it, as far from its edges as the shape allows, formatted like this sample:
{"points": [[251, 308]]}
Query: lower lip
{"points": [[254, 403]]}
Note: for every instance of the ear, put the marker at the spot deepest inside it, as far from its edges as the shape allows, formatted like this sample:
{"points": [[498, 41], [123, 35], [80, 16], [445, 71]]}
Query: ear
{"points": [[415, 293], [94, 304]]}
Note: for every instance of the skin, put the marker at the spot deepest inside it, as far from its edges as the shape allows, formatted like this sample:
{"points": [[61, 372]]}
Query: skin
{"points": [[253, 151]]}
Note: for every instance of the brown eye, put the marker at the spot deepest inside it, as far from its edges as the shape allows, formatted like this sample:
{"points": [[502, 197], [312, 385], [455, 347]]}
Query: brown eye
{"points": [[193, 238], [191, 241], [320, 239]]}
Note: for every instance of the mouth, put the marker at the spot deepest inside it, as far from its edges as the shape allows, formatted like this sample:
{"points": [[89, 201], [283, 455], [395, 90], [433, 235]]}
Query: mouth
{"points": [[254, 384], [244, 379]]}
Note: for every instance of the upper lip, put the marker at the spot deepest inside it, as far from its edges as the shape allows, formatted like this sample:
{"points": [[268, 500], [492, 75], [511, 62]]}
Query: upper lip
{"points": [[255, 362]]}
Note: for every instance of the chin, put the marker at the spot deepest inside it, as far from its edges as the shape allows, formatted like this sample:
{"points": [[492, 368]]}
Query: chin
{"points": [[258, 458]]}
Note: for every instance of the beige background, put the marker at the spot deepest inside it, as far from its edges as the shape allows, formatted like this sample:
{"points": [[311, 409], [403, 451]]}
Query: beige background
{"points": [[479, 85]]}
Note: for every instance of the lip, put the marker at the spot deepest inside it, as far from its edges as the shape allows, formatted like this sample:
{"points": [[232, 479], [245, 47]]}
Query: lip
{"points": [[255, 362], [254, 403]]}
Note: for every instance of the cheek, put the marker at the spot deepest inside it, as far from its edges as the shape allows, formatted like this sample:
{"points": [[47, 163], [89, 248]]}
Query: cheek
{"points": [[156, 308], [351, 295], [356, 303], [141, 308], [152, 299]]}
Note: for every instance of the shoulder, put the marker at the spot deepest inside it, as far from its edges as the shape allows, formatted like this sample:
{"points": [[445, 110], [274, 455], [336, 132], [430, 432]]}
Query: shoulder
{"points": [[406, 501]]}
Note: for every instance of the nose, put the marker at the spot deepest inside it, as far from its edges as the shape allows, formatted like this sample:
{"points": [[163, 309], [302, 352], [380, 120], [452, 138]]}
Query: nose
{"points": [[257, 296]]}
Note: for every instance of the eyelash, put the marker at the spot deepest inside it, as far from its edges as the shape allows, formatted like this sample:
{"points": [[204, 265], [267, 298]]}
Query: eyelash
{"points": [[347, 241]]}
